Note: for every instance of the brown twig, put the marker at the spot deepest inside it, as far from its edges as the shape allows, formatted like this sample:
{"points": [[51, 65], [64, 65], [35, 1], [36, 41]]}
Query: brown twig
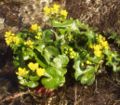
{"points": [[96, 87], [116, 85], [116, 102], [16, 95], [75, 102]]}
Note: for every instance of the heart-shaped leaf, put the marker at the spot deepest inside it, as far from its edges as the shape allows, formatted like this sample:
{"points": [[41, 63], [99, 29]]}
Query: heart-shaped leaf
{"points": [[88, 78], [32, 84], [60, 61], [55, 77], [49, 53], [78, 71], [34, 78]]}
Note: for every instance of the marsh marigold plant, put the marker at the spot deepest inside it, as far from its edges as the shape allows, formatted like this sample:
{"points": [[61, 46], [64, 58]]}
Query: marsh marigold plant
{"points": [[43, 55]]}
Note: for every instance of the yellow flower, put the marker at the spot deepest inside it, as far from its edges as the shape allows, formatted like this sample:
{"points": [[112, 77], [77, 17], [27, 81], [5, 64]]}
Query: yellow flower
{"points": [[97, 47], [70, 49], [16, 40], [9, 40], [40, 71], [55, 8], [47, 10], [105, 45], [98, 53], [97, 50], [101, 38], [29, 43], [9, 37], [63, 13], [8, 33], [73, 54], [22, 72], [103, 42], [33, 66], [34, 27]]}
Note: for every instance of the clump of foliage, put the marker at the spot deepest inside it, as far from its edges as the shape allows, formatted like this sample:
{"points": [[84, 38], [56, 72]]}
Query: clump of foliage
{"points": [[115, 38], [43, 55]]}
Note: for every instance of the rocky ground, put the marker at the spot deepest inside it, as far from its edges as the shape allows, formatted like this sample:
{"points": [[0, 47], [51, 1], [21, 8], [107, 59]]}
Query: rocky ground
{"points": [[101, 14]]}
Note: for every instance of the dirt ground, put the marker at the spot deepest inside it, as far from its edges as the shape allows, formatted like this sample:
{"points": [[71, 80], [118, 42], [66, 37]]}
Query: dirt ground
{"points": [[101, 14]]}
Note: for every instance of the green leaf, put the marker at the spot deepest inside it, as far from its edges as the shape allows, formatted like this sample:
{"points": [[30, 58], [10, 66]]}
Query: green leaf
{"points": [[78, 71], [34, 78], [91, 35], [74, 27], [62, 31], [113, 35], [39, 58], [113, 60], [55, 78], [60, 61], [28, 54], [26, 57], [64, 47], [82, 26], [40, 47], [32, 84], [23, 82], [49, 53], [19, 77], [47, 36], [62, 25], [88, 78]]}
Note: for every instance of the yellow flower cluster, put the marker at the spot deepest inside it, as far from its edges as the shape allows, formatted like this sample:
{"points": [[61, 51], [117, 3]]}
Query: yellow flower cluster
{"points": [[35, 67], [29, 43], [103, 42], [10, 38], [40, 72], [63, 13], [72, 54], [101, 46], [47, 10], [51, 10], [97, 50], [55, 11], [22, 72], [34, 27]]}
